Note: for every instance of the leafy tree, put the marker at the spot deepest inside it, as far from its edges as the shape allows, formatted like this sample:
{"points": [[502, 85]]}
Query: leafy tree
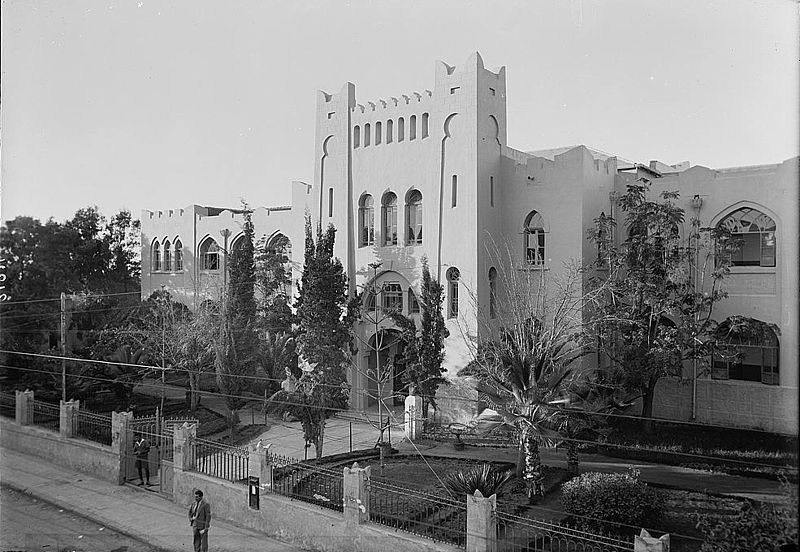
{"points": [[424, 349], [325, 318], [662, 290]]}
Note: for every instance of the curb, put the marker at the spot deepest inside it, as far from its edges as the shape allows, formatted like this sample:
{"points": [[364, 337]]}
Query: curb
{"points": [[91, 517]]}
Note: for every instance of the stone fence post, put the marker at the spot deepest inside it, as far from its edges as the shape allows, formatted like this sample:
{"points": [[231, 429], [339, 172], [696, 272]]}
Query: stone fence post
{"points": [[481, 523], [183, 452], [643, 542], [68, 417], [119, 441], [413, 417], [260, 466], [356, 494], [24, 407]]}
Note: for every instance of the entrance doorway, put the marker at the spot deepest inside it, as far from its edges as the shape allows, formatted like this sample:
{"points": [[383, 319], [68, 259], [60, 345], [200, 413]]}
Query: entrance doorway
{"points": [[386, 382]]}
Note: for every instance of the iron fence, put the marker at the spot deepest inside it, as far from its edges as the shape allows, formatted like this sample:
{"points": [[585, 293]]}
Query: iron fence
{"points": [[432, 516], [307, 482], [8, 404], [221, 460], [45, 415], [519, 534], [94, 427]]}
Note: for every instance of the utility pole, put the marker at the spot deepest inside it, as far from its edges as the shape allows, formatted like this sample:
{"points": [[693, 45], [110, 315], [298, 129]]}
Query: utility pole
{"points": [[163, 346], [63, 346]]}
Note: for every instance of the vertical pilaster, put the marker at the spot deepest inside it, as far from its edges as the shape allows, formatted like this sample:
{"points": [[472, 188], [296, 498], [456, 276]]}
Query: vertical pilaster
{"points": [[183, 457], [481, 524], [119, 441], [260, 466], [356, 494], [68, 417], [413, 417]]}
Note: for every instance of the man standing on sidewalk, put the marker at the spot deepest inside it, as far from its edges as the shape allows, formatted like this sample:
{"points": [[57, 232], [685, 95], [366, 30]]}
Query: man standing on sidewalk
{"points": [[142, 449], [200, 520]]}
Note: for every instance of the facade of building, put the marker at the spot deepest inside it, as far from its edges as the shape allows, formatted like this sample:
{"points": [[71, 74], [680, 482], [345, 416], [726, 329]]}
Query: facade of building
{"points": [[430, 176]]}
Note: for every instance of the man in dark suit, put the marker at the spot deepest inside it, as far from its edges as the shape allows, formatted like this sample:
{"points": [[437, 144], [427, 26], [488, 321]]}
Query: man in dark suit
{"points": [[200, 520], [141, 449]]}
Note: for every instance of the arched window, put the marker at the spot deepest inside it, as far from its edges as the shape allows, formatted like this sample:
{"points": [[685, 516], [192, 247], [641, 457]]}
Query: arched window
{"points": [[413, 302], [533, 233], [178, 256], [280, 246], [378, 131], [389, 219], [453, 275], [209, 255], [155, 257], [370, 302], [356, 136], [493, 292], [424, 125], [401, 129], [167, 256], [392, 297], [755, 233], [414, 218], [366, 221], [367, 131], [412, 128], [750, 355], [389, 131]]}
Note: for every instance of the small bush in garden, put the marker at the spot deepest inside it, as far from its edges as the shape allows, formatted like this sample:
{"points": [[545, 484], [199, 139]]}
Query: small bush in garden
{"points": [[614, 497], [762, 528], [484, 478]]}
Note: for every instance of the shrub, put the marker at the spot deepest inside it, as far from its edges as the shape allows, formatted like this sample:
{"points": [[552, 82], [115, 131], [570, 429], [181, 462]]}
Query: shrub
{"points": [[619, 498], [484, 478], [757, 528]]}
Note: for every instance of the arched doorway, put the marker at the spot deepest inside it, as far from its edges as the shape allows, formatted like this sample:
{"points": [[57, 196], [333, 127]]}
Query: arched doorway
{"points": [[386, 382]]}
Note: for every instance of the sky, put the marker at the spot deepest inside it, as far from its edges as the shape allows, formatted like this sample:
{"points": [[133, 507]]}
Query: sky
{"points": [[144, 104]]}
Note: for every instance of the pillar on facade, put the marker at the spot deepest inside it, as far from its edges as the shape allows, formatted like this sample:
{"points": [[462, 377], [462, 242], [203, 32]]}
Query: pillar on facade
{"points": [[413, 417], [24, 407], [356, 495], [183, 452], [481, 524], [68, 417], [120, 422]]}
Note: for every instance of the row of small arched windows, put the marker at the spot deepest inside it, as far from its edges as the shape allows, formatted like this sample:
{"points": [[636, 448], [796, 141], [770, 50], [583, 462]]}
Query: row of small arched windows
{"points": [[379, 131], [166, 256], [389, 219]]}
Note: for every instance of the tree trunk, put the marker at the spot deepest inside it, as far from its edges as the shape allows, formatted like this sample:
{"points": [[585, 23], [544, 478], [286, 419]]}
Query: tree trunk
{"points": [[194, 391], [648, 393], [320, 438], [533, 473], [572, 459]]}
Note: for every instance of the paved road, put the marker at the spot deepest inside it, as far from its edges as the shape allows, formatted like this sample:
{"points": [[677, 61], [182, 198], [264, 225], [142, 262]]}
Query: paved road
{"points": [[30, 524]]}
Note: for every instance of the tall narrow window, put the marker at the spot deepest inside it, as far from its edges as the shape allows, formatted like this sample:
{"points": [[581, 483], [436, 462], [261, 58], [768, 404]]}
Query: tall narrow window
{"points": [[389, 131], [493, 292], [155, 257], [378, 130], [356, 136], [454, 192], [167, 256], [330, 202], [401, 129], [755, 233], [491, 191], [414, 218], [367, 130], [534, 239], [392, 297], [412, 128], [453, 275], [209, 255], [424, 125], [366, 221], [413, 302], [389, 218], [178, 256]]}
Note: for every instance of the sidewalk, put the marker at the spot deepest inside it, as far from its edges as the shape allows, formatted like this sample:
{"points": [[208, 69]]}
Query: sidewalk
{"points": [[144, 516]]}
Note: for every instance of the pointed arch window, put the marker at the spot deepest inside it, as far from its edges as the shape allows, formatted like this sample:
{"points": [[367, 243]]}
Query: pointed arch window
{"points": [[755, 233], [414, 218], [167, 256], [389, 219], [453, 276], [178, 256], [534, 243], [413, 302], [155, 257], [209, 255], [366, 221]]}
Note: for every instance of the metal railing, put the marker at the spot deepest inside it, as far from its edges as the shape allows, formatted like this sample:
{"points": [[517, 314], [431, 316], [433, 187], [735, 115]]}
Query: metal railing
{"points": [[221, 460], [519, 534], [432, 516], [92, 426], [307, 482], [45, 415], [8, 404]]}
